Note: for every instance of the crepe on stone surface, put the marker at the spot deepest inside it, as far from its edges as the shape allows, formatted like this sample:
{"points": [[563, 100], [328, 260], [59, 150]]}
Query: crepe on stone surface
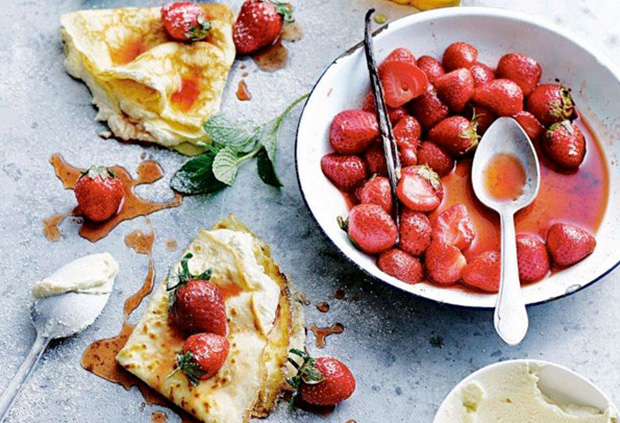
{"points": [[147, 87], [264, 322]]}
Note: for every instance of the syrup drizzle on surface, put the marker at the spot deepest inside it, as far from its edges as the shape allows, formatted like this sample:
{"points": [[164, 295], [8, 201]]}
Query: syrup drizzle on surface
{"points": [[323, 307], [321, 334], [275, 56], [243, 94], [158, 417], [149, 171]]}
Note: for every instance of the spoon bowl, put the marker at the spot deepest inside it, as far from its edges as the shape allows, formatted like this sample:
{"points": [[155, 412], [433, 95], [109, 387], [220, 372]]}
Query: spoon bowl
{"points": [[506, 137]]}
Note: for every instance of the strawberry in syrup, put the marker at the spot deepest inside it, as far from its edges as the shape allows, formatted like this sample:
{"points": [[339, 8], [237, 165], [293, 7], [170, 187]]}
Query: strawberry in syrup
{"points": [[99, 193]]}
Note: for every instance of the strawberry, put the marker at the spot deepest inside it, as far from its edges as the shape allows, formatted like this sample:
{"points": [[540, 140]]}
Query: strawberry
{"points": [[415, 232], [565, 144], [259, 24], [532, 127], [401, 78], [431, 67], [455, 89], [371, 228], [483, 117], [481, 73], [322, 381], [532, 258], [444, 263], [456, 134], [419, 188], [394, 114], [435, 157], [503, 97], [428, 109], [408, 131], [459, 55], [569, 244], [401, 265], [551, 103], [375, 160], [346, 172], [454, 227], [99, 193], [202, 356], [195, 304], [352, 131], [408, 155], [185, 21], [376, 190], [484, 272], [521, 69]]}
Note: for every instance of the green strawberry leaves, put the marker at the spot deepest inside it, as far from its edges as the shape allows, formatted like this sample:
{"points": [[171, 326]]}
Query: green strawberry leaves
{"points": [[232, 143], [179, 278], [306, 372], [188, 365]]}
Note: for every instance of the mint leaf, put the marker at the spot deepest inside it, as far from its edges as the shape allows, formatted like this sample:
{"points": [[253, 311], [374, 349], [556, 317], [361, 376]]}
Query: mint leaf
{"points": [[266, 169], [225, 165], [196, 176], [241, 138]]}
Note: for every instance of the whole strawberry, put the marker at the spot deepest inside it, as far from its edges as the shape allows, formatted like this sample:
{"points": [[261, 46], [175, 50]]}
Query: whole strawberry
{"points": [[484, 272], [431, 67], [202, 356], [503, 97], [374, 158], [569, 244], [321, 381], [532, 258], [428, 109], [259, 24], [532, 127], [565, 145], [551, 103], [454, 227], [419, 188], [99, 193], [482, 74], [483, 117], [394, 113], [444, 263], [371, 228], [435, 157], [521, 69], [345, 172], [459, 55], [455, 89], [401, 265], [408, 131], [456, 134], [185, 21], [415, 232], [376, 190], [352, 131]]}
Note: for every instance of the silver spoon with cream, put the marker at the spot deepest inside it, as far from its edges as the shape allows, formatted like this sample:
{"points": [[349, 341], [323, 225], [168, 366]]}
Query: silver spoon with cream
{"points": [[65, 303]]}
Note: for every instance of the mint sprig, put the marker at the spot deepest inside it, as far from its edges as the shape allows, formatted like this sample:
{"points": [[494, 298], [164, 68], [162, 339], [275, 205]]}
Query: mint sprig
{"points": [[232, 144]]}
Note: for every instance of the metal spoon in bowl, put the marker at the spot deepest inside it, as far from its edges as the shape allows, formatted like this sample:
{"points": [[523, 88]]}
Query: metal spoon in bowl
{"points": [[506, 137], [53, 317]]}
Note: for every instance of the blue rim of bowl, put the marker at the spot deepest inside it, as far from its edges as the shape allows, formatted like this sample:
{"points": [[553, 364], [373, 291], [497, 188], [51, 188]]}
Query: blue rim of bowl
{"points": [[440, 13]]}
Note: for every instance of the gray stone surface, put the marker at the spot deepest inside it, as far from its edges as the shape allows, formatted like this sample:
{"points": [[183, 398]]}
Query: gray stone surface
{"points": [[401, 376]]}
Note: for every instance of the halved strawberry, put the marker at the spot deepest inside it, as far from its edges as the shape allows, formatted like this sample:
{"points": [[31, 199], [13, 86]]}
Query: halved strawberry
{"points": [[484, 271], [532, 127], [352, 131], [428, 109], [346, 172], [454, 226], [565, 145], [455, 89], [376, 190], [551, 103], [400, 55], [375, 160], [371, 228], [444, 263], [431, 67], [502, 96], [456, 134], [481, 73], [569, 244], [394, 113], [415, 232], [521, 69], [532, 258], [401, 265], [401, 78], [435, 157], [419, 188], [459, 55]]}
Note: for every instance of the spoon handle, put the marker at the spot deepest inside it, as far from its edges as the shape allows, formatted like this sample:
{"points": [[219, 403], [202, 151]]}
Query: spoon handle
{"points": [[511, 321], [20, 378]]}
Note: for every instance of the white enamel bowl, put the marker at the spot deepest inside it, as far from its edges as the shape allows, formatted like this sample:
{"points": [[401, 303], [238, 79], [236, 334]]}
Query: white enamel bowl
{"points": [[596, 88], [557, 382]]}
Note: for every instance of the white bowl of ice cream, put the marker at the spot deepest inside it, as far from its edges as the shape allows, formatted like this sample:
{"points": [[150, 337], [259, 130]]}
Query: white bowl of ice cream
{"points": [[544, 392]]}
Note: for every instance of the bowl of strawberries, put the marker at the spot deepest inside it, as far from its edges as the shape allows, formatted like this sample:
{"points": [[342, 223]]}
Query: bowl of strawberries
{"points": [[446, 76]]}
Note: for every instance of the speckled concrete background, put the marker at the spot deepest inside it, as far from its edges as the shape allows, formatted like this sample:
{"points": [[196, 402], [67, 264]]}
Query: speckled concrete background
{"points": [[390, 339]]}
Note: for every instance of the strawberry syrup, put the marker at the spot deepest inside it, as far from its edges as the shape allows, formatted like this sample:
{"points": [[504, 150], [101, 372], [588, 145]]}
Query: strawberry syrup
{"points": [[243, 94], [133, 206], [275, 56], [321, 334]]}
